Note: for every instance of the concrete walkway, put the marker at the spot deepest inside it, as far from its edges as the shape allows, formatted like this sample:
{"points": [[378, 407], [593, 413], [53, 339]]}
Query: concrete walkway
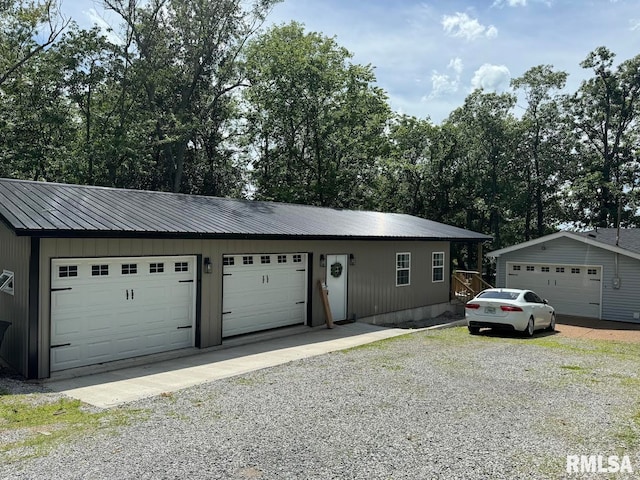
{"points": [[113, 388]]}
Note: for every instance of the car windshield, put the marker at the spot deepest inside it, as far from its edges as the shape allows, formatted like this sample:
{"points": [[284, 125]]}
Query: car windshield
{"points": [[500, 295]]}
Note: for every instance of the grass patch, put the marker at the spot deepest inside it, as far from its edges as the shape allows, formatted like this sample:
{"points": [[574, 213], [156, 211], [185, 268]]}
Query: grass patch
{"points": [[629, 435], [37, 423], [383, 344]]}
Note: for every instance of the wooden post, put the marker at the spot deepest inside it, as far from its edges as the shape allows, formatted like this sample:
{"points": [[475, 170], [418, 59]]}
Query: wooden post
{"points": [[324, 293], [479, 269]]}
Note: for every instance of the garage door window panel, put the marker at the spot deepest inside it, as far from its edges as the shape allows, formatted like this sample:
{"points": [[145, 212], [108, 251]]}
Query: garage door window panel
{"points": [[129, 269], [67, 271], [99, 270], [156, 268], [181, 267]]}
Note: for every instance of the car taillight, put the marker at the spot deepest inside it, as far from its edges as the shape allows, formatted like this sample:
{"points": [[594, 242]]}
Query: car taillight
{"points": [[510, 308], [473, 306]]}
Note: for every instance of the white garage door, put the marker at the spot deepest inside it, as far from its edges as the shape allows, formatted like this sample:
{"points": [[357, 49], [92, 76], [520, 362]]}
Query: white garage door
{"points": [[105, 309], [570, 289], [262, 291]]}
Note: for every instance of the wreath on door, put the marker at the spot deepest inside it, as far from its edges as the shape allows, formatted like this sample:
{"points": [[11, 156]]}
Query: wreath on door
{"points": [[336, 270]]}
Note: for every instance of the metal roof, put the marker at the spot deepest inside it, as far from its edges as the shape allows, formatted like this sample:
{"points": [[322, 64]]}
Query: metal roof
{"points": [[55, 210], [606, 238]]}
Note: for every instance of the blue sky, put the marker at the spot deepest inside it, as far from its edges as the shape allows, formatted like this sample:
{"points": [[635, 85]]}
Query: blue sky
{"points": [[429, 55]]}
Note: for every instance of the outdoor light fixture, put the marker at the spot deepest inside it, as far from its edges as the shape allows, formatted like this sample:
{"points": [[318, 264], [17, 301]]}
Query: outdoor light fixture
{"points": [[208, 266], [323, 260], [352, 259]]}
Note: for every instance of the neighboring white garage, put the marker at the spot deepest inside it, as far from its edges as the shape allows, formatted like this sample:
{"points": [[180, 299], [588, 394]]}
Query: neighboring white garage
{"points": [[570, 289], [263, 291], [105, 309]]}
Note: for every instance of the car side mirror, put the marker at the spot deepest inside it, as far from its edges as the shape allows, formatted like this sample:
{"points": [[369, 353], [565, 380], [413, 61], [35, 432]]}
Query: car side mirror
{"points": [[545, 301]]}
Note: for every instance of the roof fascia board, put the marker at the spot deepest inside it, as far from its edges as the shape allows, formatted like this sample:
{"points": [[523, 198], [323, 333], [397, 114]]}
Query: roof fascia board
{"points": [[580, 238], [224, 236]]}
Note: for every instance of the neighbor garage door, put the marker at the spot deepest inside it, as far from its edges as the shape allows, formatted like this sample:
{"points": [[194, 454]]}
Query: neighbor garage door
{"points": [[262, 291], [105, 309], [570, 289]]}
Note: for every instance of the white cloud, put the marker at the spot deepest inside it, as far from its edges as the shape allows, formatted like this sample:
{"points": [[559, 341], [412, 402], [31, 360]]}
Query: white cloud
{"points": [[441, 85], [635, 24], [455, 64], [462, 25], [491, 77], [510, 3]]}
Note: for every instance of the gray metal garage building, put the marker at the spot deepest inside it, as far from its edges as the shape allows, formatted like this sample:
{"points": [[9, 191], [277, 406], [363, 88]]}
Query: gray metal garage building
{"points": [[593, 274], [92, 275]]}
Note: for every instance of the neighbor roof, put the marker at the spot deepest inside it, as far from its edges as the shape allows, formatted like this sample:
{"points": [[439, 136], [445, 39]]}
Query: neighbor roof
{"points": [[53, 210], [627, 244]]}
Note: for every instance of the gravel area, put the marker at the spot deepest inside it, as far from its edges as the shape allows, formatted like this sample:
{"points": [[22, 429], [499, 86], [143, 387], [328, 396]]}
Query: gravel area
{"points": [[439, 404]]}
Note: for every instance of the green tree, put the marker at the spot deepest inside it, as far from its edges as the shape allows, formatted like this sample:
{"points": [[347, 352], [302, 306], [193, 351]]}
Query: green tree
{"points": [[27, 28], [37, 121], [315, 121], [603, 114], [487, 164], [184, 60], [543, 150]]}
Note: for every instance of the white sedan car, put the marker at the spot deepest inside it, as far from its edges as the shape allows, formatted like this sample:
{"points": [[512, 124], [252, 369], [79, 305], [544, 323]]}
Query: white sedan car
{"points": [[520, 310]]}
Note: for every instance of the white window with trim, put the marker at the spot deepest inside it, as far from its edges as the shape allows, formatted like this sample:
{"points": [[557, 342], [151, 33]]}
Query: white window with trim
{"points": [[6, 282], [403, 269], [437, 267]]}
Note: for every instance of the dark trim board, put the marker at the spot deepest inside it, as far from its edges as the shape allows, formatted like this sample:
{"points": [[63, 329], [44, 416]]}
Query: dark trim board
{"points": [[198, 312], [34, 307], [225, 236]]}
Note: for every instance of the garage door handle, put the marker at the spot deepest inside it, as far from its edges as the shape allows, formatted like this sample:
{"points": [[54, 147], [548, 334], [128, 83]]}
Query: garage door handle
{"points": [[61, 345], [182, 328], [185, 281], [60, 289]]}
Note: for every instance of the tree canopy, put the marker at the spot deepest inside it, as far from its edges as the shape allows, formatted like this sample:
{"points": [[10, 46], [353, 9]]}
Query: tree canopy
{"points": [[196, 97]]}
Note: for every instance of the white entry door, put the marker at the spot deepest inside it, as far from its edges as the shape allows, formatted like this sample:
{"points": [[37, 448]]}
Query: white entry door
{"points": [[105, 309], [337, 285], [263, 291]]}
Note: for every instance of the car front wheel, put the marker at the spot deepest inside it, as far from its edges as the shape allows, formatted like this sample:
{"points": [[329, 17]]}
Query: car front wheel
{"points": [[552, 323], [529, 330]]}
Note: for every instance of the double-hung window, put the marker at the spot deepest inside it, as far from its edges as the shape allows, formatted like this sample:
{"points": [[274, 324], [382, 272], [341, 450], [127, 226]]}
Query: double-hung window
{"points": [[437, 267], [403, 269]]}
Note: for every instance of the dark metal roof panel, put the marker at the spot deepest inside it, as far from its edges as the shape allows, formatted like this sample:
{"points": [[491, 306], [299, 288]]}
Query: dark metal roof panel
{"points": [[38, 208], [629, 237]]}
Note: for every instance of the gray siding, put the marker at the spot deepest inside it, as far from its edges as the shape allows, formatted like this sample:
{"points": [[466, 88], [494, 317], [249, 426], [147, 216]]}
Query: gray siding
{"points": [[14, 256], [617, 304], [371, 281]]}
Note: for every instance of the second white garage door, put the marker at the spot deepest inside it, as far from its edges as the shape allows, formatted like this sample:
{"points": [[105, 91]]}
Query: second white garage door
{"points": [[105, 309], [570, 289], [263, 291]]}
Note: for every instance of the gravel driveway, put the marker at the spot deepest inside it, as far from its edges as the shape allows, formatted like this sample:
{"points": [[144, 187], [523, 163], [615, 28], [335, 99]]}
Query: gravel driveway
{"points": [[435, 404]]}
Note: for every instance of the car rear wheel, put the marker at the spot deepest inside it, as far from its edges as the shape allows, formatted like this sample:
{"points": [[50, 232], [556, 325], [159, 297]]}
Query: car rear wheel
{"points": [[474, 330], [552, 324], [529, 330]]}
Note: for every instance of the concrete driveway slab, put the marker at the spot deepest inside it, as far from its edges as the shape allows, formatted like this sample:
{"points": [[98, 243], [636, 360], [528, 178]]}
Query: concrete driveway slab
{"points": [[108, 389]]}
